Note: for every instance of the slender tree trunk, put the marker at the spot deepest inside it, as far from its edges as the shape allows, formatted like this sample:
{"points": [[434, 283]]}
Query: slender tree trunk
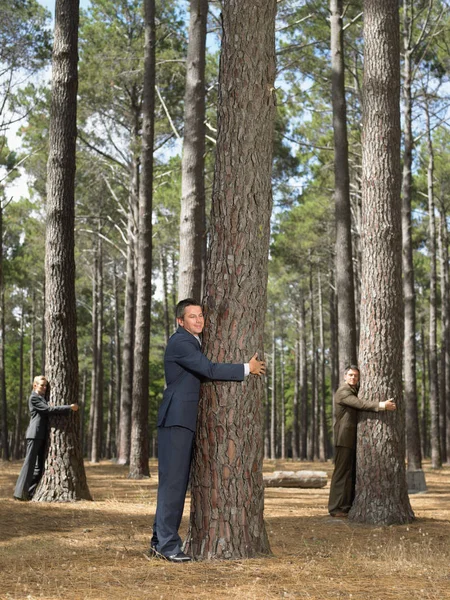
{"points": [[323, 434], [313, 446], [64, 477], [303, 383], [118, 363], [126, 390], [282, 400], [334, 342], [163, 264], [436, 458], [296, 398], [139, 451], [424, 412], [266, 420], [4, 449], [413, 452], [344, 255], [82, 410], [273, 399], [18, 432], [93, 431], [381, 489], [110, 416], [192, 215], [227, 485], [445, 313]]}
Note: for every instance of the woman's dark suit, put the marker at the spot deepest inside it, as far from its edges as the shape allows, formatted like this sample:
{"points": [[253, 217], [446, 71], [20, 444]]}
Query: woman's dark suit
{"points": [[36, 437]]}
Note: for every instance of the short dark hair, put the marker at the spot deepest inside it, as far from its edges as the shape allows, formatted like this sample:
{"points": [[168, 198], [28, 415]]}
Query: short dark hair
{"points": [[181, 306], [351, 368]]}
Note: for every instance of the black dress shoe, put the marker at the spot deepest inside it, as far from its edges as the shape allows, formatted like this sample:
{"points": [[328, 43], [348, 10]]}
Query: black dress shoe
{"points": [[181, 557]]}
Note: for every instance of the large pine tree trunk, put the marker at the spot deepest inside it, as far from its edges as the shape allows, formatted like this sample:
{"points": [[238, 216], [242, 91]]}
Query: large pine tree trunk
{"points": [[227, 485], [381, 489], [413, 452], [139, 451], [64, 477], [192, 214], [344, 255]]}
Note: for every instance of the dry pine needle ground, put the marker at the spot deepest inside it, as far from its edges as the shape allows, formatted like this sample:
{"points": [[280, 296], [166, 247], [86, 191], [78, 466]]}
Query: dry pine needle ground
{"points": [[97, 550]]}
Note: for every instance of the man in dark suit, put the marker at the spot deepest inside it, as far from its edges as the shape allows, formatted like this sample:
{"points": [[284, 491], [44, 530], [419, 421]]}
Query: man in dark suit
{"points": [[185, 367], [36, 437], [346, 405]]}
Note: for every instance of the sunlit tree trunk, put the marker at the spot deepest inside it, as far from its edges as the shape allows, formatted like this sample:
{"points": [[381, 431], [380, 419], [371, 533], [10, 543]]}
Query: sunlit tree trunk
{"points": [[381, 489], [64, 477], [192, 214], [139, 451], [227, 485], [344, 256]]}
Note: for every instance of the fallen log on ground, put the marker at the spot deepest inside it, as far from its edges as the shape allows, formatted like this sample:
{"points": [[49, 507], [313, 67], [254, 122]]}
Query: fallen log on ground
{"points": [[300, 479]]}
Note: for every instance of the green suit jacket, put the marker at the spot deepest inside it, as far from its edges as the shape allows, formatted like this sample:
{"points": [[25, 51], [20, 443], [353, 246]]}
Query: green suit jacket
{"points": [[347, 404]]}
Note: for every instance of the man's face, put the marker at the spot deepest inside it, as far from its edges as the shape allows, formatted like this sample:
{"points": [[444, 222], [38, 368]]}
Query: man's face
{"points": [[352, 377], [40, 386], [192, 320]]}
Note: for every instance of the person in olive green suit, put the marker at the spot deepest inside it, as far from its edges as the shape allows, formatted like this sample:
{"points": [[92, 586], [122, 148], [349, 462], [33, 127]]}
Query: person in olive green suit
{"points": [[347, 404]]}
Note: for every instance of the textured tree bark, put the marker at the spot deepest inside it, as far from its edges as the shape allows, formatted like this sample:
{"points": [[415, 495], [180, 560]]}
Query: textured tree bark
{"points": [[413, 452], [139, 413], [192, 214], [381, 489], [227, 485], [64, 477], [344, 255]]}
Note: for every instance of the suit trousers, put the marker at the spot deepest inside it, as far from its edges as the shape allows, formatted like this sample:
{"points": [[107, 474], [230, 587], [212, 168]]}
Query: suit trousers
{"points": [[31, 471], [174, 463], [342, 488]]}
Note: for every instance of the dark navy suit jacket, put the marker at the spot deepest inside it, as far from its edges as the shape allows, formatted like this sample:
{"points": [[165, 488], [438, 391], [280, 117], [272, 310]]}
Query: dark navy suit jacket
{"points": [[40, 409], [185, 368]]}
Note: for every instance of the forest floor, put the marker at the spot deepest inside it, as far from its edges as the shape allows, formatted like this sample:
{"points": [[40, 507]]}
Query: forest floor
{"points": [[97, 550]]}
